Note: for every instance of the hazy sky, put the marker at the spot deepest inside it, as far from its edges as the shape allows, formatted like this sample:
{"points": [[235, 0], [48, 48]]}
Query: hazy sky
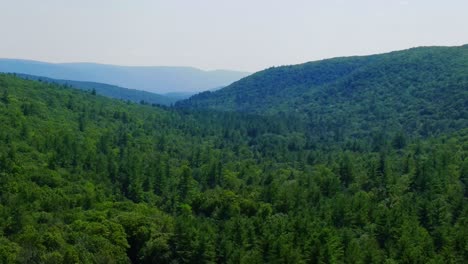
{"points": [[219, 34]]}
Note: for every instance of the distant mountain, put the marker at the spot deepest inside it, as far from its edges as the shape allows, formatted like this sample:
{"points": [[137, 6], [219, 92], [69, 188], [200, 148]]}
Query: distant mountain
{"points": [[417, 90], [111, 91], [153, 79]]}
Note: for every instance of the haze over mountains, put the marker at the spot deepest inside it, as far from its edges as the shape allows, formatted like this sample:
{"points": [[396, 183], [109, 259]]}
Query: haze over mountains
{"points": [[157, 79]]}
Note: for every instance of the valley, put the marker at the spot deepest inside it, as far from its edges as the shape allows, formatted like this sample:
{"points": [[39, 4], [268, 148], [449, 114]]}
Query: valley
{"points": [[348, 160]]}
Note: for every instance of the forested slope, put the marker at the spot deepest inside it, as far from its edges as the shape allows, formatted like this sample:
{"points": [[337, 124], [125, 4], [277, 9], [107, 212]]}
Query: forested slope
{"points": [[86, 179], [108, 90], [422, 91]]}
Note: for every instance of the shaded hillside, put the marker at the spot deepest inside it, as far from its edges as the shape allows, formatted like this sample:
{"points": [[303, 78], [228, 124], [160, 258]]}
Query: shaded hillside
{"points": [[158, 79], [421, 90], [108, 90]]}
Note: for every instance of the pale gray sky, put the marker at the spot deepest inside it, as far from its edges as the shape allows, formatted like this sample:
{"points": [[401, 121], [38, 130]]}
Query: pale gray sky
{"points": [[219, 34]]}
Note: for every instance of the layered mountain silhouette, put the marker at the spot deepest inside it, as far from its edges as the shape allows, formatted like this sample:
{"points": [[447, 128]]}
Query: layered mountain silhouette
{"points": [[156, 79]]}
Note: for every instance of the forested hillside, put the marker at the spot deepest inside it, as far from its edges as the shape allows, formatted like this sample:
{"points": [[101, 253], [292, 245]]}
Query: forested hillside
{"points": [[87, 179], [422, 91], [108, 90]]}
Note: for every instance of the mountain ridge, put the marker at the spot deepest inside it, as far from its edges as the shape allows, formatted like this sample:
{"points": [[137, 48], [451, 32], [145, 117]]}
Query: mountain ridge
{"points": [[158, 79], [108, 90], [356, 89]]}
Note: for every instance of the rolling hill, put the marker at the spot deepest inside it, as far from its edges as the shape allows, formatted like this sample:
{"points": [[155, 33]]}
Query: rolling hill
{"points": [[416, 90], [111, 91], [157, 79]]}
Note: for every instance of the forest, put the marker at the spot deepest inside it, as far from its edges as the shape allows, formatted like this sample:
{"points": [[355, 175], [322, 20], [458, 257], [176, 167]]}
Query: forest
{"points": [[88, 179], [422, 91]]}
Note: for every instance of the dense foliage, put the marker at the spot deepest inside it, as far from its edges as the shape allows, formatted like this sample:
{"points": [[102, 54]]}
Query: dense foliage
{"points": [[86, 179], [422, 91]]}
